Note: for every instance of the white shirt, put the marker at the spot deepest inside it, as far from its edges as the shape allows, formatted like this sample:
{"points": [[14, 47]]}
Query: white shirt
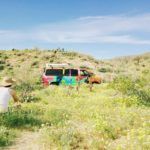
{"points": [[5, 97]]}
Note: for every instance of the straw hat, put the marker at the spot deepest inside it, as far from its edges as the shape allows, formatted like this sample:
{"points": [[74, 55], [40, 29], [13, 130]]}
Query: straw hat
{"points": [[7, 81]]}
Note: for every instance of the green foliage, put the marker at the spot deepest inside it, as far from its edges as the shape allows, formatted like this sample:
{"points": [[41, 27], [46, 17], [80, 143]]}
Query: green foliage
{"points": [[2, 67], [71, 54], [25, 90], [35, 64], [103, 127], [57, 116], [24, 87], [135, 139], [28, 97], [104, 70], [138, 88], [20, 118], [124, 84], [6, 136], [84, 67], [127, 101]]}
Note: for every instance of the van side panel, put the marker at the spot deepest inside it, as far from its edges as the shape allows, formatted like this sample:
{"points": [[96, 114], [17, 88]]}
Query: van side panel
{"points": [[61, 76]]}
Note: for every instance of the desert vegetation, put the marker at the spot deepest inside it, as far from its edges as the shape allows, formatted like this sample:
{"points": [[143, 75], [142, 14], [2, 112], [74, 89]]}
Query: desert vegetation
{"points": [[114, 115]]}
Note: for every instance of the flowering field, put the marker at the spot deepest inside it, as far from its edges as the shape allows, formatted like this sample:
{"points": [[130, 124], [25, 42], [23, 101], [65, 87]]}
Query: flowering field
{"points": [[102, 119], [114, 115]]}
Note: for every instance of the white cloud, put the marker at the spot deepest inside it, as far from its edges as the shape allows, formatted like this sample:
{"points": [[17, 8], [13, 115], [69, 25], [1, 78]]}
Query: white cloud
{"points": [[91, 29]]}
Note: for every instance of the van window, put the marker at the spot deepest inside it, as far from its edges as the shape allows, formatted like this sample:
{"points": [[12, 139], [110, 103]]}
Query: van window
{"points": [[67, 72], [84, 73], [74, 72], [54, 72]]}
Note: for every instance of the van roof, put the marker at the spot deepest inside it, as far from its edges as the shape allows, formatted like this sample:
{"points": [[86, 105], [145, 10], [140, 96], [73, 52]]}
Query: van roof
{"points": [[63, 65]]}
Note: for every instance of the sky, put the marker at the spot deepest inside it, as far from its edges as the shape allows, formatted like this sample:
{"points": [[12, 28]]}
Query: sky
{"points": [[101, 28]]}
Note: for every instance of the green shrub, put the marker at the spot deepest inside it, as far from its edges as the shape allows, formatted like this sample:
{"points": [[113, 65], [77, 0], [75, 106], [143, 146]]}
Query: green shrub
{"points": [[24, 86], [21, 118], [128, 86], [28, 97], [127, 101], [2, 67], [35, 63], [6, 136], [5, 57], [123, 84], [84, 67], [71, 54], [25, 90], [104, 127], [104, 70]]}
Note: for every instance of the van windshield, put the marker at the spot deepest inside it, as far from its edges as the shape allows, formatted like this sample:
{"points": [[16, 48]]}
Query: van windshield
{"points": [[54, 72]]}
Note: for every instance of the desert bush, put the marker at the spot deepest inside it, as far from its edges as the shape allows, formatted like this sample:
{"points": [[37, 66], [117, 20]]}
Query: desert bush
{"points": [[63, 138], [123, 84], [13, 49], [22, 59], [19, 54], [103, 127], [25, 89], [137, 60], [2, 67], [70, 54], [139, 88], [5, 57], [6, 136], [28, 97], [2, 61], [25, 92], [21, 118], [46, 57], [25, 86], [84, 67], [127, 101], [27, 77], [104, 70], [135, 139]]}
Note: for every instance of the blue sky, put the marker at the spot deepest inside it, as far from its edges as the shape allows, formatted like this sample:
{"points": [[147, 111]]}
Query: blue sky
{"points": [[102, 28]]}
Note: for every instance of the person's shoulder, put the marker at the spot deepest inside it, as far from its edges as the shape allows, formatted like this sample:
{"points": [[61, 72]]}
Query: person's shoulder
{"points": [[12, 91]]}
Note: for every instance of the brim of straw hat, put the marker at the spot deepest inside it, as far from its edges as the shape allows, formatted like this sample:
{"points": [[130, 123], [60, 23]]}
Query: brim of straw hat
{"points": [[5, 83]]}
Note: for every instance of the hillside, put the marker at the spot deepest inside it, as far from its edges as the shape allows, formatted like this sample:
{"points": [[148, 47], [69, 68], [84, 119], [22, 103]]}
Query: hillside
{"points": [[15, 62], [113, 115], [12, 60], [132, 64], [37, 58]]}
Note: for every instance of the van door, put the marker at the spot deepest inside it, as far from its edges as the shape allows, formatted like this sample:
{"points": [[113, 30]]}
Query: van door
{"points": [[70, 77]]}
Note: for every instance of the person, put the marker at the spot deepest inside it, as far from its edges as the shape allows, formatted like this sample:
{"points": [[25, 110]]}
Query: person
{"points": [[6, 93]]}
